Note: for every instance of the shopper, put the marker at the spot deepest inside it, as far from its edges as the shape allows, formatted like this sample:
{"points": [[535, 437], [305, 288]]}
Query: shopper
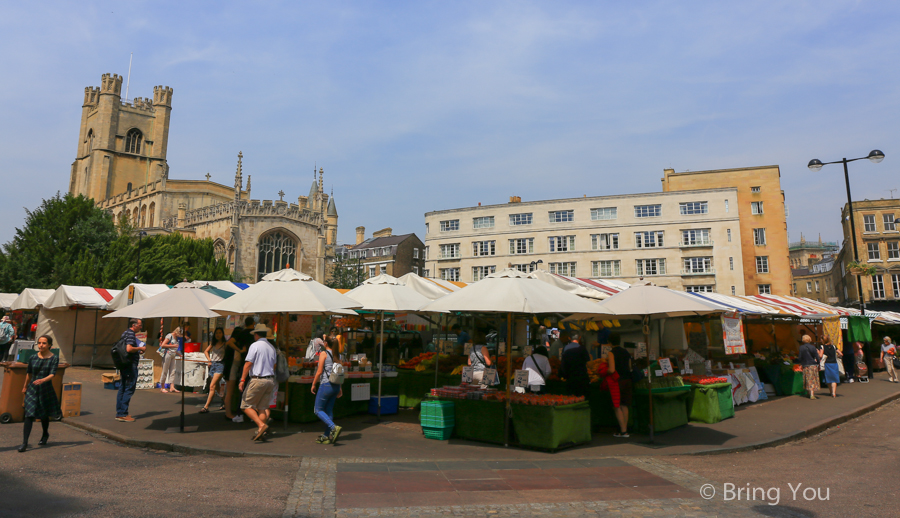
{"points": [[259, 378], [168, 350], [574, 367], [40, 397], [215, 354], [7, 337], [327, 394], [888, 353], [832, 373], [316, 344], [236, 346], [479, 360], [619, 360], [809, 360], [538, 366], [129, 372]]}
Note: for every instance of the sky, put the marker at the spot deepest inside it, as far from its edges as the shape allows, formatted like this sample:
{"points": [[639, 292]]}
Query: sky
{"points": [[418, 106]]}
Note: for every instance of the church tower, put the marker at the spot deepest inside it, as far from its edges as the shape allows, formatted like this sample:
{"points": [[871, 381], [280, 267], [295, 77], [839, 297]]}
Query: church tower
{"points": [[121, 145]]}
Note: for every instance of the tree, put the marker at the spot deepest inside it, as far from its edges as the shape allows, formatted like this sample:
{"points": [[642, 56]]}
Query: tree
{"points": [[345, 275]]}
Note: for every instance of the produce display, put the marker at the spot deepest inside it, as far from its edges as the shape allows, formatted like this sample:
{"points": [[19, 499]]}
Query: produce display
{"points": [[350, 322], [798, 367], [462, 391], [414, 362], [535, 399], [663, 382], [694, 379]]}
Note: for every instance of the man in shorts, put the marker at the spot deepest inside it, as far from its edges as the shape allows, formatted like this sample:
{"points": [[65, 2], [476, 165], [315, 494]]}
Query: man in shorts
{"points": [[259, 378]]}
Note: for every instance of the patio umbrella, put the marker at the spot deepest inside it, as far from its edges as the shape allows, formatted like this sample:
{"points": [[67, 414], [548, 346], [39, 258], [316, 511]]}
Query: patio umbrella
{"points": [[384, 294], [184, 300], [511, 291], [424, 286], [288, 291]]}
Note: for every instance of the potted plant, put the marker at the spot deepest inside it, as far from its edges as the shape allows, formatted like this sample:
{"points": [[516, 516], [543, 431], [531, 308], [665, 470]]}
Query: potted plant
{"points": [[857, 268]]}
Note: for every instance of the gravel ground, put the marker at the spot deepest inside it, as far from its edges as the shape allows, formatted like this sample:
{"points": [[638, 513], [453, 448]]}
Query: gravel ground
{"points": [[857, 461], [81, 475]]}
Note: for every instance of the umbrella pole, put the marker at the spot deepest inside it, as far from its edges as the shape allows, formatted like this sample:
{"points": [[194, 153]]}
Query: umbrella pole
{"points": [[380, 367], [646, 329], [437, 349], [182, 384], [287, 384], [94, 347], [508, 374]]}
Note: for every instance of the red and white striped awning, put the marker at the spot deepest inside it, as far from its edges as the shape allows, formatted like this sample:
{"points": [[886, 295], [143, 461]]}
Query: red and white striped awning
{"points": [[80, 296]]}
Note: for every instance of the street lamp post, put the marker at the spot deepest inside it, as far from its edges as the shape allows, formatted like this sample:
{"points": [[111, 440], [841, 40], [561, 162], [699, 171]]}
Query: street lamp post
{"points": [[534, 264], [137, 276], [875, 156]]}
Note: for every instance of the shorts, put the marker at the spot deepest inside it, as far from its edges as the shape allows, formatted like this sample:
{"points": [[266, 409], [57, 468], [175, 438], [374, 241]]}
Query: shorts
{"points": [[258, 394], [216, 368], [625, 392]]}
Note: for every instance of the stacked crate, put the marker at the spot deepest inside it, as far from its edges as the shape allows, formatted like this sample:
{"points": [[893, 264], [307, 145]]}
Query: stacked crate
{"points": [[437, 419]]}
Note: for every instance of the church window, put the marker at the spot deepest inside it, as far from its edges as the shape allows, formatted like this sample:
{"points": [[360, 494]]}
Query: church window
{"points": [[133, 141], [143, 216], [153, 212], [134, 217], [276, 251], [129, 187], [89, 142], [219, 250]]}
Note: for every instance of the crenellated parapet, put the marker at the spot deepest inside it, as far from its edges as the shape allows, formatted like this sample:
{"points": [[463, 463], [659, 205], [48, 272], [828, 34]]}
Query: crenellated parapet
{"points": [[111, 84], [91, 96], [162, 96], [139, 103]]}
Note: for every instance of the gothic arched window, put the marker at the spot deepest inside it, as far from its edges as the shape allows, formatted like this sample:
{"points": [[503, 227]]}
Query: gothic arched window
{"points": [[89, 142], [152, 213], [133, 141], [219, 249], [143, 216], [276, 251]]}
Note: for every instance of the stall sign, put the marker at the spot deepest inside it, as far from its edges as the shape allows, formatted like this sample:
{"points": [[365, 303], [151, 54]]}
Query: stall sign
{"points": [[468, 374], [490, 377], [521, 378], [665, 365], [733, 334]]}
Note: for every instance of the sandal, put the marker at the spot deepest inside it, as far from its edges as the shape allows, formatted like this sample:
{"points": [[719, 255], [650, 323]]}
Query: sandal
{"points": [[173, 391], [204, 410], [164, 391], [222, 407]]}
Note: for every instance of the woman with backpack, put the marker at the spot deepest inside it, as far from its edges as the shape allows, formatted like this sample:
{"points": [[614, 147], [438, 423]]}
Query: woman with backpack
{"points": [[329, 390], [168, 349]]}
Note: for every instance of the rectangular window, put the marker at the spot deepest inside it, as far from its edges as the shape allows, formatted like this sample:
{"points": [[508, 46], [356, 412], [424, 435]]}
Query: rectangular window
{"points": [[697, 264], [383, 268], [762, 264], [426, 228], [878, 286], [817, 286], [764, 289], [427, 248], [874, 251], [893, 249], [415, 253], [523, 245], [562, 243], [652, 239], [483, 222], [729, 234], [795, 288], [869, 223], [450, 251], [480, 272], [895, 284], [695, 237], [651, 267], [700, 289], [647, 211], [450, 274], [567, 269], [889, 224], [726, 206], [731, 263], [562, 216], [808, 287], [371, 271], [756, 207], [604, 213], [604, 241], [525, 268], [482, 248], [754, 189], [693, 207], [520, 219], [450, 224], [606, 268], [759, 236], [733, 291], [416, 270], [426, 273]]}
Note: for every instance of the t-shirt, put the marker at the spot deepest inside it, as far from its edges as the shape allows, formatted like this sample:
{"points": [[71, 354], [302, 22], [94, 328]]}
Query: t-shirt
{"points": [[622, 359], [130, 339], [830, 352], [808, 355], [479, 362], [574, 363], [884, 348], [262, 354], [535, 363]]}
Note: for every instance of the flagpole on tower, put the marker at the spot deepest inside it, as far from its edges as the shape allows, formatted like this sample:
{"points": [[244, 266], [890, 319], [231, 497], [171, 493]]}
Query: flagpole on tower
{"points": [[128, 81]]}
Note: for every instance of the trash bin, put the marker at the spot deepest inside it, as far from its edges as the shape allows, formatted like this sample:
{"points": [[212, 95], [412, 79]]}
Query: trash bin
{"points": [[12, 400]]}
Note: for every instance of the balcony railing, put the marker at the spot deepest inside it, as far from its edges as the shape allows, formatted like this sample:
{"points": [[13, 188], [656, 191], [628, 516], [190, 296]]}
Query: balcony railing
{"points": [[697, 243], [709, 271]]}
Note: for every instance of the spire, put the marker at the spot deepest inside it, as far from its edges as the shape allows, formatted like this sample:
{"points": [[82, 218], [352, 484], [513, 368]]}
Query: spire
{"points": [[248, 184], [238, 176], [313, 191], [332, 209], [321, 173]]}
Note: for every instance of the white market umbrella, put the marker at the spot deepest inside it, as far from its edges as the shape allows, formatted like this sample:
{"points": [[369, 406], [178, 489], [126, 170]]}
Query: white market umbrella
{"points": [[423, 286], [288, 291], [30, 298], [138, 293], [564, 283], [384, 293], [511, 291], [183, 300]]}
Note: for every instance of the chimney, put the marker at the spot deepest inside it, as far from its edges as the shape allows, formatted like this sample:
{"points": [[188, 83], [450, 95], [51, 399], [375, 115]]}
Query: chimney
{"points": [[385, 232], [515, 199], [360, 234]]}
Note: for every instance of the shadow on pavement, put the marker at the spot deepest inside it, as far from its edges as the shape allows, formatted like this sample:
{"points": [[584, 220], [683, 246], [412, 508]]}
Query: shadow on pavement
{"points": [[783, 511], [31, 500]]}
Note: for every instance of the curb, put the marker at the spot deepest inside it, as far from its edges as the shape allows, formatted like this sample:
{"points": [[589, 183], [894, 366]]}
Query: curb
{"points": [[814, 429]]}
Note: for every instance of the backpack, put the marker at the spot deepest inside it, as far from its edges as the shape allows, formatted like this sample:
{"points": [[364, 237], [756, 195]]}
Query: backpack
{"points": [[282, 372], [337, 371], [119, 353], [6, 333]]}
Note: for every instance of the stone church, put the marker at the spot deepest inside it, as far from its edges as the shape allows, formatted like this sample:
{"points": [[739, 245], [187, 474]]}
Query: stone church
{"points": [[121, 164]]}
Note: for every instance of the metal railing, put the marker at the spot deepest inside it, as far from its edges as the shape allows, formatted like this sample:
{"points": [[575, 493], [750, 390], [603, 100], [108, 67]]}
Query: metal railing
{"points": [[709, 271], [697, 243]]}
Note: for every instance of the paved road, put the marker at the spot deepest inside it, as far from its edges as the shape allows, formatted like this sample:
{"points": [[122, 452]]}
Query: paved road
{"points": [[83, 475]]}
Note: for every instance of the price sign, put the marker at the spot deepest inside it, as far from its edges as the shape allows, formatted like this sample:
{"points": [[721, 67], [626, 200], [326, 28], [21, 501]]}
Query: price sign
{"points": [[665, 364], [708, 366], [521, 378], [659, 374], [490, 377], [468, 374]]}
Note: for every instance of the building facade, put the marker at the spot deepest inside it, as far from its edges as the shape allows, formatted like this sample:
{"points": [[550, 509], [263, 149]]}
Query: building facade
{"points": [[804, 254], [878, 242], [385, 253], [816, 282], [763, 224], [686, 240], [121, 164]]}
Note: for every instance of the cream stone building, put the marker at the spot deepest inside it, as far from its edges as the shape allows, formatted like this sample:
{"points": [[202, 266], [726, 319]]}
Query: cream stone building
{"points": [[682, 240], [121, 164]]}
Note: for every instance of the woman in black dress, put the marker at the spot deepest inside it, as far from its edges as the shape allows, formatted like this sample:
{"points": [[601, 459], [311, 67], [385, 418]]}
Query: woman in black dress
{"points": [[40, 398]]}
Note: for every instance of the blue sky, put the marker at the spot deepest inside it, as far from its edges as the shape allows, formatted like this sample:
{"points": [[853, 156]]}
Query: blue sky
{"points": [[419, 106]]}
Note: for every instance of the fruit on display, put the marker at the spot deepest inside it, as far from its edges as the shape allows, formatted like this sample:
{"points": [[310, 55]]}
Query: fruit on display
{"points": [[694, 379], [535, 399], [414, 362]]}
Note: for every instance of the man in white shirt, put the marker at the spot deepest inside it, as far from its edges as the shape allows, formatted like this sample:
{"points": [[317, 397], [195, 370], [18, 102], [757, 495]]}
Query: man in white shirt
{"points": [[259, 377]]}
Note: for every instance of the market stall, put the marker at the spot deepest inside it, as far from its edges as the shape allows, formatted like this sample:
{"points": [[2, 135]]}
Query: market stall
{"points": [[710, 399], [74, 316]]}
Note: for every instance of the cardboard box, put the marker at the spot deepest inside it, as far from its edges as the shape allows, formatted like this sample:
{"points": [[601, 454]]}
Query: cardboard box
{"points": [[71, 399], [109, 378]]}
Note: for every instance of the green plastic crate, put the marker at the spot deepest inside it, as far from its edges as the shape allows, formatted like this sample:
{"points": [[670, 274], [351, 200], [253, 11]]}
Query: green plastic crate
{"points": [[436, 422], [438, 433], [442, 409]]}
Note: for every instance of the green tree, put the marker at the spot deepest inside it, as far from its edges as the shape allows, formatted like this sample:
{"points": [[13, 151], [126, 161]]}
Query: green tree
{"points": [[345, 275]]}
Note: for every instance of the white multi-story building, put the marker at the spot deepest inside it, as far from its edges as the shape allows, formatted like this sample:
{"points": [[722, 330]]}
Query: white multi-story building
{"points": [[682, 240]]}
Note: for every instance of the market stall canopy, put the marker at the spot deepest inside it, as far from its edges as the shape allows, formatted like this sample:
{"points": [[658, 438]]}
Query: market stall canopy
{"points": [[427, 287], [570, 284], [511, 291], [288, 291], [141, 292], [30, 298], [644, 299], [6, 300], [799, 307], [385, 293], [231, 287], [183, 300], [738, 304], [83, 296]]}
